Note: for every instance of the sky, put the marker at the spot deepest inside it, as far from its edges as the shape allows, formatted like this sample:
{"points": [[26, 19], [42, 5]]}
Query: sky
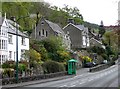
{"points": [[93, 11]]}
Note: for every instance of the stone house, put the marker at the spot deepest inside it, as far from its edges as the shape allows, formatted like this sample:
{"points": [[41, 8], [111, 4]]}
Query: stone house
{"points": [[78, 35], [46, 29]]}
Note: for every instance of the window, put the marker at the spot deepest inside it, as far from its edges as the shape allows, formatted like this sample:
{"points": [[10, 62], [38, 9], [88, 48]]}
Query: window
{"points": [[0, 59], [0, 43], [10, 54], [42, 22], [43, 32], [4, 44], [10, 39], [23, 41], [0, 31], [39, 33], [46, 33], [14, 55], [22, 53]]}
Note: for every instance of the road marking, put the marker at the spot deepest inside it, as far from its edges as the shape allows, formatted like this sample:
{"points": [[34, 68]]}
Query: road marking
{"points": [[102, 75], [63, 86], [72, 85], [91, 79], [76, 81], [82, 82], [105, 73], [78, 76]]}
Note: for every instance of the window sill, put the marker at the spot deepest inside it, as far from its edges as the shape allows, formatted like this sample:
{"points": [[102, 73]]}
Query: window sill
{"points": [[23, 44], [10, 43]]}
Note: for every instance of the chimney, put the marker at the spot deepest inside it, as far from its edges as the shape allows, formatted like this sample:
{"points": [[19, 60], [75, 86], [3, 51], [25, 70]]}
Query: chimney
{"points": [[12, 18], [71, 20]]}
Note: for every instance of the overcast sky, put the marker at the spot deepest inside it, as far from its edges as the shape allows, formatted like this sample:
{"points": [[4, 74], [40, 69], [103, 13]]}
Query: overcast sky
{"points": [[93, 10]]}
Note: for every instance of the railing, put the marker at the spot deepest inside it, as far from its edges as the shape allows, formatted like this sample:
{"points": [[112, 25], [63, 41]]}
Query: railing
{"points": [[6, 81], [101, 67]]}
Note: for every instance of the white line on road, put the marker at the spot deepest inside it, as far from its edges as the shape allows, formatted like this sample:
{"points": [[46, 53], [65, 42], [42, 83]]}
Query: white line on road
{"points": [[63, 86], [78, 76], [81, 82], [72, 85]]}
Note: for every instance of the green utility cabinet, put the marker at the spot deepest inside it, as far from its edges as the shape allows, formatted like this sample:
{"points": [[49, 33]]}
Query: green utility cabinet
{"points": [[72, 66]]}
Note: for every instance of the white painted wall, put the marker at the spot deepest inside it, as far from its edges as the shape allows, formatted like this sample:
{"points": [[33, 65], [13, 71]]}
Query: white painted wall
{"points": [[12, 47], [119, 12], [4, 36]]}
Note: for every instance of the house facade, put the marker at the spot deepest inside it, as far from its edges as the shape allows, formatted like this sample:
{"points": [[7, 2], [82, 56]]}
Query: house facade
{"points": [[8, 41], [119, 13], [95, 42], [78, 35], [46, 29]]}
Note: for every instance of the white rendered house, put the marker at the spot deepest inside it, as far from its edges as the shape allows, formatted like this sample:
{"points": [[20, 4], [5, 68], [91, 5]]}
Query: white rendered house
{"points": [[8, 41]]}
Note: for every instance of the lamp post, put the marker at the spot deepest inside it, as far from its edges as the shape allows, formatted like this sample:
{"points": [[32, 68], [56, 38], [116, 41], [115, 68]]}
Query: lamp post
{"points": [[17, 28]]}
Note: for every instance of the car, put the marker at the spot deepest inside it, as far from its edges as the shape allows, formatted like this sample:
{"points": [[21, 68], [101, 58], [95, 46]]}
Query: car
{"points": [[104, 62], [94, 63], [89, 64]]}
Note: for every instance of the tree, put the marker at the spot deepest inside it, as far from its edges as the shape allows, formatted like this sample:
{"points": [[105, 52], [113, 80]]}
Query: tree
{"points": [[55, 49], [18, 10], [74, 13], [111, 39], [33, 55]]}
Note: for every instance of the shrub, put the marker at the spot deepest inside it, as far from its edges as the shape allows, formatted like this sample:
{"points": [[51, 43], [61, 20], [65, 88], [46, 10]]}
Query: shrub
{"points": [[22, 67], [8, 72], [105, 57], [5, 65], [52, 67], [61, 67], [86, 59]]}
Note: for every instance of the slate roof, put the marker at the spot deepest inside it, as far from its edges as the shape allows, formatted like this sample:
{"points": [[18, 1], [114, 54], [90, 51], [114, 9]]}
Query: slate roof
{"points": [[80, 27], [92, 39], [1, 20], [12, 28], [55, 27]]}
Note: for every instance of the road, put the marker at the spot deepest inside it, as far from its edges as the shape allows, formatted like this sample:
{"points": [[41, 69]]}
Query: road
{"points": [[105, 78]]}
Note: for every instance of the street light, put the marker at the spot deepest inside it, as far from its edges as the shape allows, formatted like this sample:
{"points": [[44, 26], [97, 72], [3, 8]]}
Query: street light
{"points": [[17, 28]]}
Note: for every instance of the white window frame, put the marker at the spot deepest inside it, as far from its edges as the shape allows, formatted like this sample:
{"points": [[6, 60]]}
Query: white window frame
{"points": [[10, 54], [10, 39], [23, 41]]}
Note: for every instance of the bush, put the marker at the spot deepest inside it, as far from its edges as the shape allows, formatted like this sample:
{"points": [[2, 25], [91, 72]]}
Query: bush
{"points": [[52, 67], [8, 72], [8, 64], [105, 57], [5, 65], [86, 59], [22, 67], [61, 67]]}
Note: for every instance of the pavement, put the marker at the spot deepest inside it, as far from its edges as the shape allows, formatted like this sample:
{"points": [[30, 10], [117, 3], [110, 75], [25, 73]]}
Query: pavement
{"points": [[11, 86]]}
